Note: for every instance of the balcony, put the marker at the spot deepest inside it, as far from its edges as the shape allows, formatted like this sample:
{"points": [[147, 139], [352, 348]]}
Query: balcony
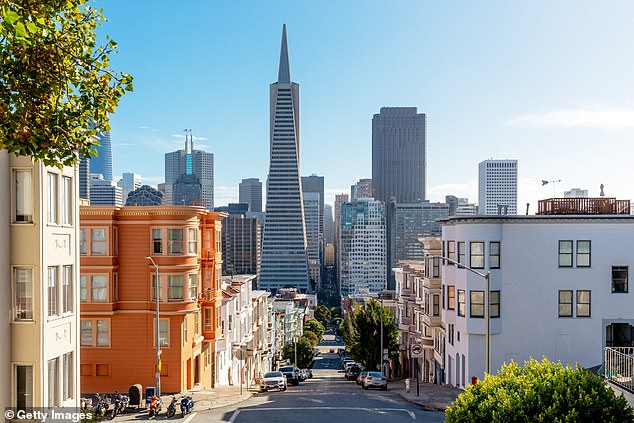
{"points": [[619, 366], [575, 206]]}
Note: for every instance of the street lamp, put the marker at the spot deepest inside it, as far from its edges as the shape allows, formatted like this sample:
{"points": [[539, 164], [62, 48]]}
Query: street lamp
{"points": [[158, 340], [487, 305], [295, 342], [381, 347]]}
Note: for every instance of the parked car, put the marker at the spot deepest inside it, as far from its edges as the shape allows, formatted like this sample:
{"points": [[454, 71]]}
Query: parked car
{"points": [[303, 375], [352, 372], [349, 364], [292, 374], [345, 361], [273, 380], [361, 376], [309, 372], [374, 380]]}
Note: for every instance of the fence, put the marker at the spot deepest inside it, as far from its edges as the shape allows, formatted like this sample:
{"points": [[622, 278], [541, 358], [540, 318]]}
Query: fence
{"points": [[619, 366]]}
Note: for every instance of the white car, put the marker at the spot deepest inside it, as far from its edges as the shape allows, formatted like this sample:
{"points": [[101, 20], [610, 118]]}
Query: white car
{"points": [[273, 380]]}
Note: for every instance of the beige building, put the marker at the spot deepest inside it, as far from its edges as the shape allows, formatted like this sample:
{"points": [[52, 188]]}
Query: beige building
{"points": [[39, 269]]}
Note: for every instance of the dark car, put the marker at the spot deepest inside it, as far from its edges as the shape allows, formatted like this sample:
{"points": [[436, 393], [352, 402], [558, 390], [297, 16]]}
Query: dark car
{"points": [[292, 374], [352, 372]]}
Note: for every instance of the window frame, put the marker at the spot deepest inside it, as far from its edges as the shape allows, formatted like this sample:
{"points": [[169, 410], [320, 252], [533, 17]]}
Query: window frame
{"points": [[494, 304], [451, 299], [495, 259], [461, 252], [174, 245], [23, 201], [625, 282], [24, 400], [67, 200], [451, 251], [581, 304], [26, 299], [52, 206], [104, 241], [561, 303], [473, 303], [156, 243], [68, 289], [474, 255], [104, 288], [52, 291], [83, 242], [461, 302], [164, 328], [565, 254], [170, 286], [192, 288], [192, 244], [581, 257]]}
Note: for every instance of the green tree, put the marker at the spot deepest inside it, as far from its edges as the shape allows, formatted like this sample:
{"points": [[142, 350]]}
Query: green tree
{"points": [[540, 392], [315, 327], [322, 314], [312, 338], [361, 332], [305, 352], [56, 87]]}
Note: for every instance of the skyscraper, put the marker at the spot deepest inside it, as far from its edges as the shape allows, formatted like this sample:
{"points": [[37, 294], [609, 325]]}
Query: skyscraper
{"points": [[362, 189], [102, 163], [128, 183], [251, 193], [497, 187], [84, 177], [284, 260], [104, 193], [313, 238]]}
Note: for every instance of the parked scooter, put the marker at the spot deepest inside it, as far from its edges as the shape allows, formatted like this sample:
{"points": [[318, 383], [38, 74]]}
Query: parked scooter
{"points": [[155, 406], [171, 409], [187, 405]]}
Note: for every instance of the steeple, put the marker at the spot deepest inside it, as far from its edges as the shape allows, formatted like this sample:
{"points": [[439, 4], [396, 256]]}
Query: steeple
{"points": [[284, 75]]}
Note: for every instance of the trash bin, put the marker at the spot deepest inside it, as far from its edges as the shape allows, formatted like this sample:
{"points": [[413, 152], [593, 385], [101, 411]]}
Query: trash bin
{"points": [[407, 385], [150, 391], [135, 394]]}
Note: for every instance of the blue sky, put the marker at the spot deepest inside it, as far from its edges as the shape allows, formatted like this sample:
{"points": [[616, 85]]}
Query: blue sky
{"points": [[547, 83]]}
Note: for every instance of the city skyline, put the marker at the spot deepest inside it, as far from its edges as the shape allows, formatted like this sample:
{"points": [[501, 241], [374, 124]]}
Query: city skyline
{"points": [[536, 83]]}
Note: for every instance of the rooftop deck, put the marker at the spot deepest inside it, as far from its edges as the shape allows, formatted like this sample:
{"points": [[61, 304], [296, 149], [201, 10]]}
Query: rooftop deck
{"points": [[584, 205]]}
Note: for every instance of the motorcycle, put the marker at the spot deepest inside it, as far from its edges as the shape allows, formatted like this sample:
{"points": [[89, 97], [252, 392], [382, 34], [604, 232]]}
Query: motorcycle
{"points": [[187, 405], [171, 409], [103, 403], [155, 406], [120, 404]]}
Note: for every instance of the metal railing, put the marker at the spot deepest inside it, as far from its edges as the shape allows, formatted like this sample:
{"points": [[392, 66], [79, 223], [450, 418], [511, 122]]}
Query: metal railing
{"points": [[572, 206], [619, 366]]}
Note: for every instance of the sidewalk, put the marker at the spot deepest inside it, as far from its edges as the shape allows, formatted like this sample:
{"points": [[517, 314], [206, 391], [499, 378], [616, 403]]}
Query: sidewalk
{"points": [[431, 397]]}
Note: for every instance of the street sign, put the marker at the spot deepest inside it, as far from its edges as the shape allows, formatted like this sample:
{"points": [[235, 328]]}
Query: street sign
{"points": [[417, 350]]}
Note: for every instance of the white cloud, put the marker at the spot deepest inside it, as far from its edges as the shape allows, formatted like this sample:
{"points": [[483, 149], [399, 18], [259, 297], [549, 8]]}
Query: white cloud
{"points": [[599, 117], [148, 128]]}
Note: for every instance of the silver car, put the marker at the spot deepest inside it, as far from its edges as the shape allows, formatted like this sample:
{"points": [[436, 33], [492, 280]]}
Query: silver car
{"points": [[374, 380], [273, 380]]}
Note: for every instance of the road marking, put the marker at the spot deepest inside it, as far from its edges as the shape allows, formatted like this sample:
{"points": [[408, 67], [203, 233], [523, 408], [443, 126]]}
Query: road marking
{"points": [[188, 419], [234, 416]]}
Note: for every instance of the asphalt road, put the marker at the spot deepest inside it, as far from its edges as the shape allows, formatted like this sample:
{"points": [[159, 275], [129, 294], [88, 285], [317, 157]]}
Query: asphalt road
{"points": [[327, 397]]}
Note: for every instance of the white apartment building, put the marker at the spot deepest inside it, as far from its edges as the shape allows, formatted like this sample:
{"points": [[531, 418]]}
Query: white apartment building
{"points": [[39, 269], [559, 287], [497, 187]]}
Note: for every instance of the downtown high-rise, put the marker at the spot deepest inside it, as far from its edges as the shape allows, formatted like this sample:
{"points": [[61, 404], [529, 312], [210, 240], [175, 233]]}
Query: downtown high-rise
{"points": [[284, 260], [497, 187]]}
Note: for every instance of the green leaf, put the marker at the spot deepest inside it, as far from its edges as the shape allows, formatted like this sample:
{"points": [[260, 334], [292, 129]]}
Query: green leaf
{"points": [[11, 17]]}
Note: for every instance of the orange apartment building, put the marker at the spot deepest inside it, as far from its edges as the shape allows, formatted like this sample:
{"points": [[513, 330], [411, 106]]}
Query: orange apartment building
{"points": [[118, 307]]}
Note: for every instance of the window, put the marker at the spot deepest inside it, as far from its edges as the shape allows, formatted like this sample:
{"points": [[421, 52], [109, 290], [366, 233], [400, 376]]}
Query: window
{"points": [[476, 257], [436, 267], [53, 288], [218, 317], [494, 301], [196, 323], [451, 246], [175, 241], [450, 334], [619, 278], [565, 253], [99, 288], [451, 297], [98, 241], [68, 372], [583, 303], [185, 330], [175, 287], [67, 200], [95, 332], [23, 293], [23, 197], [461, 252], [86, 333], [230, 322], [115, 287], [164, 336], [67, 289], [476, 304], [82, 242], [52, 198], [24, 387], [583, 253], [461, 302], [436, 306], [53, 377], [565, 303], [218, 241], [494, 255], [157, 241], [153, 287], [192, 241], [103, 333], [83, 289], [193, 286], [207, 319]]}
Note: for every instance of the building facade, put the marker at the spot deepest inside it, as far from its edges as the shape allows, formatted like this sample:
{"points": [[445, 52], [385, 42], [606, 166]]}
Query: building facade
{"points": [[128, 183], [241, 245], [145, 195], [40, 272], [497, 187], [190, 162], [250, 192], [119, 247], [313, 238], [362, 189], [284, 260], [103, 192], [102, 162]]}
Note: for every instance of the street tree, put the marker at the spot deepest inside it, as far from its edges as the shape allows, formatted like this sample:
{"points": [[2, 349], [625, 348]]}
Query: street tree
{"points": [[315, 327], [322, 314], [56, 86], [312, 337], [361, 332], [305, 352], [540, 392]]}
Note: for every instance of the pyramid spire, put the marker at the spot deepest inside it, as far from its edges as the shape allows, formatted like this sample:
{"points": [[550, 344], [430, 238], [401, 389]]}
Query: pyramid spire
{"points": [[284, 75]]}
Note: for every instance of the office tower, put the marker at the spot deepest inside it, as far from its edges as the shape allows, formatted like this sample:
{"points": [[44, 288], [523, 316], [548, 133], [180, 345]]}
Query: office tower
{"points": [[313, 244], [362, 248], [284, 261], [240, 243], [339, 200], [251, 193], [576, 193], [39, 270], [128, 183], [315, 184], [460, 206], [497, 187], [84, 177], [145, 195], [362, 189], [398, 155], [190, 162], [413, 221], [329, 225], [104, 193], [102, 163]]}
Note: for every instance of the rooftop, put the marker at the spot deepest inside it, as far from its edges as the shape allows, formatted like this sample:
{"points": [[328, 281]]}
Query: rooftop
{"points": [[583, 205]]}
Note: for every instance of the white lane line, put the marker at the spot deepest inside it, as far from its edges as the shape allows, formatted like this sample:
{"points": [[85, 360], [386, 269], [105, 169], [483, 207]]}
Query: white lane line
{"points": [[237, 412], [188, 419]]}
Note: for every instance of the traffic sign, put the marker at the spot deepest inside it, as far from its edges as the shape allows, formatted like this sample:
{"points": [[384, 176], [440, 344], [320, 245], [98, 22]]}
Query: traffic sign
{"points": [[417, 350]]}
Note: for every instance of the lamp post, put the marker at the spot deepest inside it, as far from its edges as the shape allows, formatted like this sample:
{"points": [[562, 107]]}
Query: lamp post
{"points": [[295, 342], [158, 340], [487, 305], [381, 347]]}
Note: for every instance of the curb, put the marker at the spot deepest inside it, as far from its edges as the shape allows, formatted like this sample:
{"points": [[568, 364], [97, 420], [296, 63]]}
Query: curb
{"points": [[423, 406]]}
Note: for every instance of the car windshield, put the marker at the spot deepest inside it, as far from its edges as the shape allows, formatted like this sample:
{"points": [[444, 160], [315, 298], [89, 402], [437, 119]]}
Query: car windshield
{"points": [[273, 374], [286, 369], [375, 374]]}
